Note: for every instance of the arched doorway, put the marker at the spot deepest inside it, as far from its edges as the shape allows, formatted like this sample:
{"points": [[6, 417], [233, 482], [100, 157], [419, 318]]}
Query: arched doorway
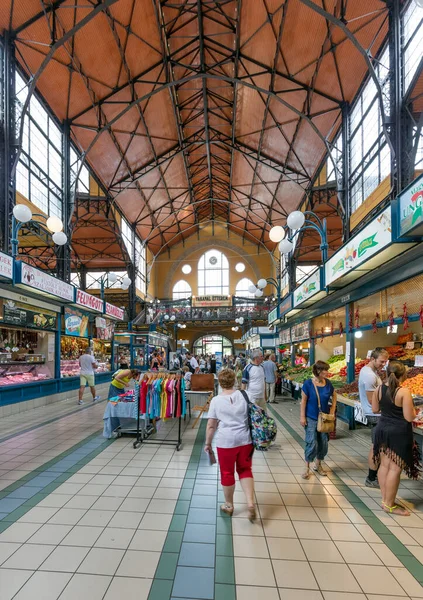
{"points": [[210, 344]]}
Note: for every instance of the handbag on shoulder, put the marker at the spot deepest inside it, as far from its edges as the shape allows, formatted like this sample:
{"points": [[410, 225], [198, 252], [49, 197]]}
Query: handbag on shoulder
{"points": [[325, 421]]}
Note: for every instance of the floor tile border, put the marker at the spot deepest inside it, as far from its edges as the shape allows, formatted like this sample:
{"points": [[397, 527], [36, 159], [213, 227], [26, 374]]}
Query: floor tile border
{"points": [[19, 512], [408, 560]]}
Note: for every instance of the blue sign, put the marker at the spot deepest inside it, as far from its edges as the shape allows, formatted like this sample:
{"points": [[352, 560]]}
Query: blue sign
{"points": [[219, 360]]}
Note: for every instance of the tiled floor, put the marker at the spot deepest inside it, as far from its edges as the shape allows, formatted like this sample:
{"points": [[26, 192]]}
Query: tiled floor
{"points": [[108, 520]]}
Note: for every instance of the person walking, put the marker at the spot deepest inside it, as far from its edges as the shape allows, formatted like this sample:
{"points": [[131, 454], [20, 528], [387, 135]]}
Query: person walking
{"points": [[87, 365], [368, 382], [393, 444], [228, 415], [270, 373], [253, 379], [316, 391], [193, 363], [121, 380]]}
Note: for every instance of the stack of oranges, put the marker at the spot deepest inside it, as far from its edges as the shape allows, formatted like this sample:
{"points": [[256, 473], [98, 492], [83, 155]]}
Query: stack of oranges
{"points": [[415, 385]]}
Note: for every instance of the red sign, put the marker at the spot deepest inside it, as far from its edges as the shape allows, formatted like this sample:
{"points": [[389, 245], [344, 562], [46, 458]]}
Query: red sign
{"points": [[89, 301], [114, 311]]}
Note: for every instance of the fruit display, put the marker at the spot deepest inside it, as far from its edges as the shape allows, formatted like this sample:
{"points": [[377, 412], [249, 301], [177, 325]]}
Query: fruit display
{"points": [[349, 388], [414, 371], [415, 385], [411, 354], [395, 352], [359, 364], [335, 359]]}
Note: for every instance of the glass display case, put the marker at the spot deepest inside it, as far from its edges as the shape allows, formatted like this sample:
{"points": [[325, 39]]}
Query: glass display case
{"points": [[25, 356]]}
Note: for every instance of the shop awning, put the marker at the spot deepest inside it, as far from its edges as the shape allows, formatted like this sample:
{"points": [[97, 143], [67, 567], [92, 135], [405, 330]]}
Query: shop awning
{"points": [[310, 291]]}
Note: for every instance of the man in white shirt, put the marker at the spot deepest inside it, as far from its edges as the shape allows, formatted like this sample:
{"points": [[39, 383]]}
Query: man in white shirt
{"points": [[368, 382], [87, 364], [253, 379], [193, 363]]}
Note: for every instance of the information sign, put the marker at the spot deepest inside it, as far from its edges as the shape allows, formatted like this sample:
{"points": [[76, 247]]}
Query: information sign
{"points": [[418, 361], [338, 350]]}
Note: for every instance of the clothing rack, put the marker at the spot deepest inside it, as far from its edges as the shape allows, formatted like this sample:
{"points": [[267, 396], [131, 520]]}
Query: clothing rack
{"points": [[143, 436]]}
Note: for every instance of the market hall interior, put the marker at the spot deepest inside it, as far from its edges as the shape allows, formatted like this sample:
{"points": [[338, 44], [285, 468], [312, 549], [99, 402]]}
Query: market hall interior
{"points": [[189, 186]]}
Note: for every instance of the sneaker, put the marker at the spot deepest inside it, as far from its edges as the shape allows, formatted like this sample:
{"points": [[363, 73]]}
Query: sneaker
{"points": [[319, 469], [96, 398], [81, 402], [371, 483]]}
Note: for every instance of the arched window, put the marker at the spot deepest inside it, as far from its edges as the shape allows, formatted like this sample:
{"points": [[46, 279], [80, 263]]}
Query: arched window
{"points": [[242, 288], [213, 274], [181, 290]]}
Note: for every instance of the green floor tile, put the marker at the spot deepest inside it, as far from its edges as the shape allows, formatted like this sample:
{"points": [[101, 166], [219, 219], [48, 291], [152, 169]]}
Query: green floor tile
{"points": [[62, 478], [224, 546], [395, 545], [182, 507], [173, 541], [178, 523], [377, 526], [185, 494], [160, 590], [166, 569], [362, 509], [225, 570], [224, 592], [191, 474], [188, 484], [224, 526], [413, 565], [17, 513]]}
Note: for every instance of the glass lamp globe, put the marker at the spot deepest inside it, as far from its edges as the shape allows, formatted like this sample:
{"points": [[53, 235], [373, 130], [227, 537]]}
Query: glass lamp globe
{"points": [[173, 318], [252, 289], [241, 320], [358, 334], [186, 269], [166, 317], [240, 267], [54, 224], [112, 277], [60, 238], [236, 320], [285, 246], [277, 233], [295, 220], [126, 282], [261, 284], [258, 294], [22, 213]]}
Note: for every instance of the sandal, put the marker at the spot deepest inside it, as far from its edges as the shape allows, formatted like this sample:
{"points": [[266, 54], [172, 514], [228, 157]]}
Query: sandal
{"points": [[306, 474], [395, 510], [226, 508], [252, 514]]}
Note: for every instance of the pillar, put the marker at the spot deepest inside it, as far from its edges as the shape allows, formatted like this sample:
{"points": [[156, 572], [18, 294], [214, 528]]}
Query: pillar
{"points": [[349, 310]]}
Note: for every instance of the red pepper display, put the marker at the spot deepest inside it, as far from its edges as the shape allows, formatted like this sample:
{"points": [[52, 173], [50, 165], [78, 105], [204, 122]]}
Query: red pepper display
{"points": [[374, 322], [357, 368], [405, 316]]}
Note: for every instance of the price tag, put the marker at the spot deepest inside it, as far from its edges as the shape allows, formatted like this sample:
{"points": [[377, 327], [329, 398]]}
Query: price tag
{"points": [[338, 350], [409, 346], [369, 353], [347, 351], [418, 361]]}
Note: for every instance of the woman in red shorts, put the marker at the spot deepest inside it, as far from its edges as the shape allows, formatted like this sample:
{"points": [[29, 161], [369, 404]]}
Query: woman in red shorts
{"points": [[228, 414]]}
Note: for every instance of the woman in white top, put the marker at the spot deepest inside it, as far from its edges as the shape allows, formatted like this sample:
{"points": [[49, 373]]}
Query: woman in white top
{"points": [[228, 414]]}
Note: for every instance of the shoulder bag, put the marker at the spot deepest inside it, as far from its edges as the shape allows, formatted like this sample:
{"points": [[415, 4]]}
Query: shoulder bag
{"points": [[325, 421]]}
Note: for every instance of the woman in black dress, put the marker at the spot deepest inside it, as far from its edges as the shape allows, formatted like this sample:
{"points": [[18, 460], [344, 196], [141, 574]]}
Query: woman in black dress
{"points": [[394, 447]]}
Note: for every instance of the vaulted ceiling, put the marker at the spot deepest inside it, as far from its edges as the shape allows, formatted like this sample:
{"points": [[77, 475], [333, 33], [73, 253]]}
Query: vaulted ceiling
{"points": [[197, 110]]}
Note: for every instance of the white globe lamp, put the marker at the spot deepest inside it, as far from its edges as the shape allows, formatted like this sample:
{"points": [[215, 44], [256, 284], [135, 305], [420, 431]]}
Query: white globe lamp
{"points": [[241, 320], [236, 320], [277, 233], [112, 277], [54, 224], [261, 284], [166, 317], [186, 269], [358, 334], [295, 220], [173, 318], [258, 294], [240, 267], [22, 213], [60, 238], [126, 282], [252, 289], [285, 246]]}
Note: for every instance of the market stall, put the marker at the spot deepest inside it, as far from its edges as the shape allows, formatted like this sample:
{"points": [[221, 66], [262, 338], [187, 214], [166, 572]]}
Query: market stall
{"points": [[135, 348]]}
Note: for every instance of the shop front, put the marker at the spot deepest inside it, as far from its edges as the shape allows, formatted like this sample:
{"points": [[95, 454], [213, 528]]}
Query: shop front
{"points": [[134, 349]]}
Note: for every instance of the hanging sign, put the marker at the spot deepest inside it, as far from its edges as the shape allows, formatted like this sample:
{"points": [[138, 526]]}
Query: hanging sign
{"points": [[301, 331], [45, 284], [418, 361], [207, 301], [273, 315], [285, 336], [25, 316], [309, 288], [105, 328], [368, 242], [76, 322], [6, 266], [338, 350], [285, 305], [114, 311], [411, 206], [89, 301]]}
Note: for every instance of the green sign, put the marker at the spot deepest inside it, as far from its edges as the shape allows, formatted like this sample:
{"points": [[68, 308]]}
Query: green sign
{"points": [[411, 206]]}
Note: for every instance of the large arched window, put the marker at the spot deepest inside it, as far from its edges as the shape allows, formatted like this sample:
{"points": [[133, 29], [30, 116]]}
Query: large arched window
{"points": [[181, 290], [213, 274], [242, 288]]}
